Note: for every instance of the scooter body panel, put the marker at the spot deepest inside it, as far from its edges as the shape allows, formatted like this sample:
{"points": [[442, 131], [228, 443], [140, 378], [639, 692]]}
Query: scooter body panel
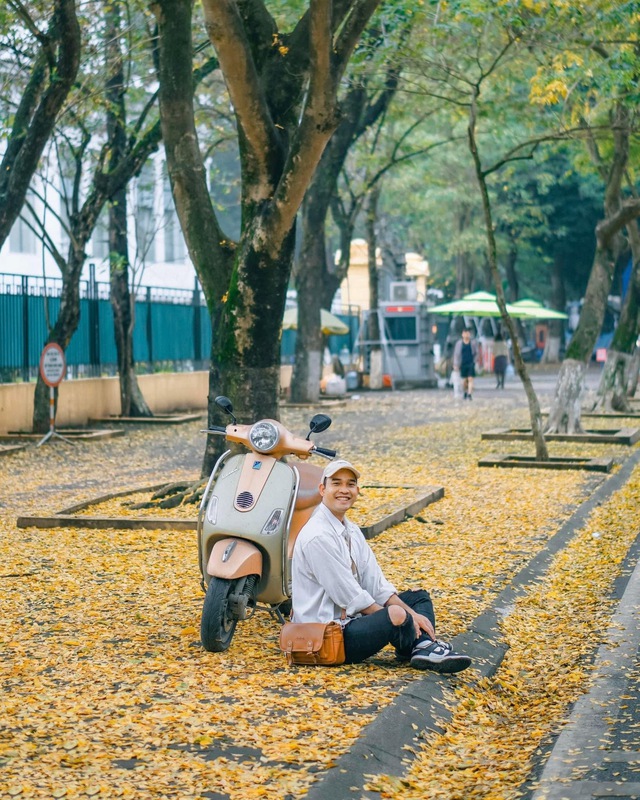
{"points": [[222, 519], [234, 558]]}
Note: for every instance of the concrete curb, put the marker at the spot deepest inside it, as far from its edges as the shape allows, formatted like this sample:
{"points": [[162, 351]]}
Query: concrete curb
{"points": [[580, 745], [385, 744]]}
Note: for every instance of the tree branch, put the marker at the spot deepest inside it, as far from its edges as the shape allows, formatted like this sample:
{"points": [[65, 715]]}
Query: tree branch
{"points": [[226, 31], [357, 18], [605, 230]]}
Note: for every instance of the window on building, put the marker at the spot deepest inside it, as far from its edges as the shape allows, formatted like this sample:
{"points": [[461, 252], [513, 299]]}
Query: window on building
{"points": [[146, 226], [100, 236], [22, 239], [174, 245]]}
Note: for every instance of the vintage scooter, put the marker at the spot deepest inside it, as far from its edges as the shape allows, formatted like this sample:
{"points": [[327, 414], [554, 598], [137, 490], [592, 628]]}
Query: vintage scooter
{"points": [[251, 512]]}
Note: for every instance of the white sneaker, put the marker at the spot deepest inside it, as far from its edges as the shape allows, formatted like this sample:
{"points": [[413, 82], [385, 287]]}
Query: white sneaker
{"points": [[439, 657]]}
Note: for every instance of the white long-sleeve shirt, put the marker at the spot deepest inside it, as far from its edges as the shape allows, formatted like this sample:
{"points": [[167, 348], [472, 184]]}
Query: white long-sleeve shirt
{"points": [[323, 582]]}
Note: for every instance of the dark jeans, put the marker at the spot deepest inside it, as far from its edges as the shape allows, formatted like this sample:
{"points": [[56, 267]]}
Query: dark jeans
{"points": [[366, 635]]}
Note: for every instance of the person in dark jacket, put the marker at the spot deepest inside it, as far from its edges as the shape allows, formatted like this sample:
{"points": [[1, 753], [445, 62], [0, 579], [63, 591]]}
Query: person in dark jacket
{"points": [[465, 355]]}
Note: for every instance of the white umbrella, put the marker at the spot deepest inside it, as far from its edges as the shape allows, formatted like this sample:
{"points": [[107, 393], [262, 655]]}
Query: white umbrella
{"points": [[329, 323]]}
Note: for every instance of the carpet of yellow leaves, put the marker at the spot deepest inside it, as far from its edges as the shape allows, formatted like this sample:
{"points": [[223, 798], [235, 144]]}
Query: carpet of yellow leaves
{"points": [[107, 692], [499, 723]]}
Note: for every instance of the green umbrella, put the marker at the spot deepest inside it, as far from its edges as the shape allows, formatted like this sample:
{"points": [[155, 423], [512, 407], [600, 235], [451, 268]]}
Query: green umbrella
{"points": [[476, 304], [535, 310]]}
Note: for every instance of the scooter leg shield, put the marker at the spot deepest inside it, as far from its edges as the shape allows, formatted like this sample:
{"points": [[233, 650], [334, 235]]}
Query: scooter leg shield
{"points": [[233, 558]]}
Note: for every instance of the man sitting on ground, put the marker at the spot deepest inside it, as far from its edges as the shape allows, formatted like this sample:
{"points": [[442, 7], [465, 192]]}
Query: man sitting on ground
{"points": [[336, 577]]}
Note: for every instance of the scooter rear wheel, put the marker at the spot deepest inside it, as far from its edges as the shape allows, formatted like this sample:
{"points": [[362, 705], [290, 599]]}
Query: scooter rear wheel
{"points": [[217, 625]]}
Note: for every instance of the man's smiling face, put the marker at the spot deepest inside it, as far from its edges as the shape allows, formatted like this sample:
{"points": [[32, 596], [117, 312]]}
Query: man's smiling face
{"points": [[339, 492]]}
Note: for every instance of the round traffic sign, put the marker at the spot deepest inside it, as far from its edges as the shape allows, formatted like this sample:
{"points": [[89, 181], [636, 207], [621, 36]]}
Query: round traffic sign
{"points": [[52, 364]]}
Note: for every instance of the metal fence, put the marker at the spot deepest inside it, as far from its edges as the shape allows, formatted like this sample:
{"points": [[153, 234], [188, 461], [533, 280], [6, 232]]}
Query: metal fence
{"points": [[172, 329]]}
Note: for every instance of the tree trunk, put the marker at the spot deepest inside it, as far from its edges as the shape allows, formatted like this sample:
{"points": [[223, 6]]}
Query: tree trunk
{"points": [[613, 390], [464, 267], [46, 92], [316, 278], [564, 415], [245, 350], [132, 402], [551, 354], [512, 275], [104, 185], [565, 411], [65, 326], [285, 108], [542, 453], [307, 369], [376, 355], [634, 373]]}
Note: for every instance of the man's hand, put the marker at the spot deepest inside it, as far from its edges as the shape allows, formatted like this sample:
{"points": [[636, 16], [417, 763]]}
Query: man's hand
{"points": [[420, 622], [422, 625]]}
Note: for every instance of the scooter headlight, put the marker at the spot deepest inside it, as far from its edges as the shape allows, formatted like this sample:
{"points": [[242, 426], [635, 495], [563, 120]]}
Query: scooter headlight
{"points": [[264, 436]]}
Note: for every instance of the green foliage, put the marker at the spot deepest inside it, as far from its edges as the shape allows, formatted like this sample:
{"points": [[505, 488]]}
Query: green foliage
{"points": [[535, 69]]}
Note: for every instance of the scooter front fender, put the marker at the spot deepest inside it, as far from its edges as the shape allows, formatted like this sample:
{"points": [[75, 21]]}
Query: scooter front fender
{"points": [[234, 558]]}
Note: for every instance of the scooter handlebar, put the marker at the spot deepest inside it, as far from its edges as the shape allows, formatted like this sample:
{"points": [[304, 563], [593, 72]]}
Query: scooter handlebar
{"points": [[324, 451], [214, 429]]}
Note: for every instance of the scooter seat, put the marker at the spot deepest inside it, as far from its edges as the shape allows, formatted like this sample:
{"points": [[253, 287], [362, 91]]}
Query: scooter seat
{"points": [[308, 494]]}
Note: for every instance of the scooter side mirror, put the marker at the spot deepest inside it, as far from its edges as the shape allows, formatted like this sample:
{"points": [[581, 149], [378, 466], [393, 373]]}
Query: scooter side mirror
{"points": [[225, 404], [318, 424]]}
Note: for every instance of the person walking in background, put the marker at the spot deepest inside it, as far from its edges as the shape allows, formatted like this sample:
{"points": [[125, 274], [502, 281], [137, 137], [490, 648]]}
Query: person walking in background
{"points": [[500, 359], [465, 355]]}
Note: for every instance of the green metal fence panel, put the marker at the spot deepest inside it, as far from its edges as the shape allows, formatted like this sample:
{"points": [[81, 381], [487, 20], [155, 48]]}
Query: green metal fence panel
{"points": [[11, 340], [170, 326]]}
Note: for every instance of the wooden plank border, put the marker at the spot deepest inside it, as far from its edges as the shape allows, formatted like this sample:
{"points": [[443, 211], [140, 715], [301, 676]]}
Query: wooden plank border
{"points": [[157, 419], [73, 434], [624, 436], [391, 514], [529, 462]]}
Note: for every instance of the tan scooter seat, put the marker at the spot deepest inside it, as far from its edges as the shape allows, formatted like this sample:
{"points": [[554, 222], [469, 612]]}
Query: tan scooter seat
{"points": [[308, 498]]}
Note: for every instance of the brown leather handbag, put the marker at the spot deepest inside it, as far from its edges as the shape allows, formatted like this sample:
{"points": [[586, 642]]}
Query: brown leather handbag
{"points": [[312, 643]]}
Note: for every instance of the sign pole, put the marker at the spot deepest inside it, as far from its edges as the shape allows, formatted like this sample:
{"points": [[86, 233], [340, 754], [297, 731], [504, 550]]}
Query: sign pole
{"points": [[52, 369]]}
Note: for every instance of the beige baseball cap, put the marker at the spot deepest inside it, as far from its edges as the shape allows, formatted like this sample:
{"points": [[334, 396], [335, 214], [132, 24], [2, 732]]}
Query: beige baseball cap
{"points": [[336, 466]]}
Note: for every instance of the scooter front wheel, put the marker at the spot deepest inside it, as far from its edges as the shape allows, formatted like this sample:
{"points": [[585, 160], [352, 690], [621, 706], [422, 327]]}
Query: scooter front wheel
{"points": [[218, 625]]}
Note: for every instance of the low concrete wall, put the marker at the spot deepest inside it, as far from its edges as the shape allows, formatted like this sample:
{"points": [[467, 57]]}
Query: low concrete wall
{"points": [[84, 399]]}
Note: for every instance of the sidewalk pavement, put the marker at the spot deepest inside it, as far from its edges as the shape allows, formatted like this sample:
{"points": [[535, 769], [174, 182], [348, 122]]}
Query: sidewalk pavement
{"points": [[598, 753]]}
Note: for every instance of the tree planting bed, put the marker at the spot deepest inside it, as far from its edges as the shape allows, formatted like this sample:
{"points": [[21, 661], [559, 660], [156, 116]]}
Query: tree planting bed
{"points": [[386, 515], [5, 450], [529, 462], [157, 419], [66, 433], [612, 414], [626, 436], [632, 414]]}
